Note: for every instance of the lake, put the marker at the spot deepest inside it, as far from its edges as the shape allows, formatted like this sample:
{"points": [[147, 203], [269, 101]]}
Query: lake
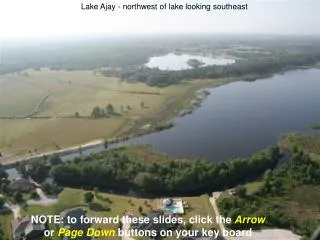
{"points": [[239, 119], [173, 61]]}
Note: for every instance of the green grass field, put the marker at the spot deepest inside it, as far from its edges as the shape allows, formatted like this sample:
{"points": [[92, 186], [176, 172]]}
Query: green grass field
{"points": [[5, 223], [70, 198], [200, 206], [79, 91], [18, 97]]}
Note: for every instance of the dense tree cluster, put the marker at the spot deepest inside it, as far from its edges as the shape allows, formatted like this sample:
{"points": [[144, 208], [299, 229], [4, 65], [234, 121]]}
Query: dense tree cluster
{"points": [[298, 171], [37, 170], [117, 170], [247, 68], [98, 112], [3, 174], [88, 197], [269, 56], [75, 55], [2, 201]]}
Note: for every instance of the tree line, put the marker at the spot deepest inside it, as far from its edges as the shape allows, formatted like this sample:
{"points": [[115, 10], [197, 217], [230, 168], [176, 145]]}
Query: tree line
{"points": [[75, 55], [116, 169], [250, 69]]}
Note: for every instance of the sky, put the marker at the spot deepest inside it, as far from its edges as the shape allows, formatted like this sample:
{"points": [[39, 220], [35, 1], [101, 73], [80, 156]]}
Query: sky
{"points": [[36, 18]]}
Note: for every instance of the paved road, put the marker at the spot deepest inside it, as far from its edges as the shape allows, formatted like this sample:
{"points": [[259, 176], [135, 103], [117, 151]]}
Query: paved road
{"points": [[271, 234], [213, 202], [10, 160], [15, 209], [43, 200]]}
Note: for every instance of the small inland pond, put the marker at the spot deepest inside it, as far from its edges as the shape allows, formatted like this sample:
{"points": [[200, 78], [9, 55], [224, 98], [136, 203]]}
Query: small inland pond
{"points": [[173, 61]]}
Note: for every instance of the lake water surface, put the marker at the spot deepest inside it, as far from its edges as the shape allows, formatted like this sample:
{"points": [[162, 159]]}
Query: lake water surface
{"points": [[240, 118], [173, 61]]}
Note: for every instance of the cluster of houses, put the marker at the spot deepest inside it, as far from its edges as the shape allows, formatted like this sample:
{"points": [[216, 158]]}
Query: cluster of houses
{"points": [[23, 228]]}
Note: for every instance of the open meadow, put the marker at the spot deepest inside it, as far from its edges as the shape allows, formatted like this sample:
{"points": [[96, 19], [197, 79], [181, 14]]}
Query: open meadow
{"points": [[43, 110]]}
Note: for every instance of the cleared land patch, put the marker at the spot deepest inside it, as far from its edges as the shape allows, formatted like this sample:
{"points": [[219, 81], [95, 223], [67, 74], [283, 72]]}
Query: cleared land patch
{"points": [[72, 92], [18, 98]]}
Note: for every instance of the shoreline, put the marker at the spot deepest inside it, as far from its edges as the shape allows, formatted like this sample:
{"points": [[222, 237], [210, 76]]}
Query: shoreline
{"points": [[187, 107], [199, 96], [146, 126]]}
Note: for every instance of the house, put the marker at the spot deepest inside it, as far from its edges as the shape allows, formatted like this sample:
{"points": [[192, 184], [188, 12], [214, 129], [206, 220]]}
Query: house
{"points": [[24, 229], [22, 184]]}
